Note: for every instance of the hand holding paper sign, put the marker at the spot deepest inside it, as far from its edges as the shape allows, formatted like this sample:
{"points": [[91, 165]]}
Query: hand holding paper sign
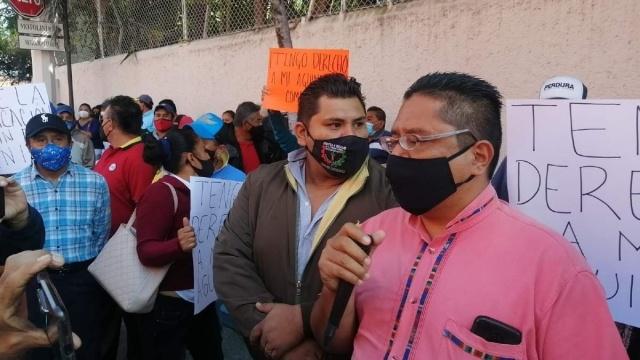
{"points": [[186, 236]]}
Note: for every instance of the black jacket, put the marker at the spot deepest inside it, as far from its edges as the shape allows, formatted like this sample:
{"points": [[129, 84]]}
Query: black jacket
{"points": [[266, 146]]}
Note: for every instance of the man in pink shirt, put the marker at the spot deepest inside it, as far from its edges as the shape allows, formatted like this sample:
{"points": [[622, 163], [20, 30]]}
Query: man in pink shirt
{"points": [[456, 273]]}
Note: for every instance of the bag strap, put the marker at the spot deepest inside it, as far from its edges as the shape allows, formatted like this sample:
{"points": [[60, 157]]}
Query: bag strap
{"points": [[175, 197], [132, 219]]}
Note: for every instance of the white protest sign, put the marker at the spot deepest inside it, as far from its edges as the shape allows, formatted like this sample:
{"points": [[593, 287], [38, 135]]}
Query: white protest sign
{"points": [[17, 105], [575, 166], [211, 200]]}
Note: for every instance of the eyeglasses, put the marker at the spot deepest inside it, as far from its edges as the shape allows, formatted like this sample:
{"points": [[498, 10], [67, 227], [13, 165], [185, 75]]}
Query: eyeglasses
{"points": [[410, 141]]}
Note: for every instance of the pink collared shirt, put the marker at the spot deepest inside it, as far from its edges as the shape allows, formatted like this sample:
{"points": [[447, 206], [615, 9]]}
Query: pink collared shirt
{"points": [[423, 294]]}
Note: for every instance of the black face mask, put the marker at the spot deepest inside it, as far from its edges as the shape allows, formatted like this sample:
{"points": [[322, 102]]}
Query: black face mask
{"points": [[340, 157], [207, 168], [421, 184], [103, 135]]}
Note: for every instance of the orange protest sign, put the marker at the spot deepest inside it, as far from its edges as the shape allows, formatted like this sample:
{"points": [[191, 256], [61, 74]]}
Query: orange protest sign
{"points": [[291, 70]]}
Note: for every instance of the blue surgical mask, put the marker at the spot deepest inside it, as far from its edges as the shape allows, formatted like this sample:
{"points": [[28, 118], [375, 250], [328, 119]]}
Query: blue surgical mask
{"points": [[52, 157], [370, 130], [70, 124]]}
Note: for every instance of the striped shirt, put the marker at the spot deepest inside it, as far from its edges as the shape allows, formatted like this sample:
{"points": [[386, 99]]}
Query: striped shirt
{"points": [[75, 210]]}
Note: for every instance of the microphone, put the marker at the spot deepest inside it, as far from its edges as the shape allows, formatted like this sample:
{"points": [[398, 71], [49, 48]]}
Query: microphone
{"points": [[340, 303]]}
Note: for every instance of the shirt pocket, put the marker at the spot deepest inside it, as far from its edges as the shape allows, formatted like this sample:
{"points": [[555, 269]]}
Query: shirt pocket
{"points": [[458, 343]]}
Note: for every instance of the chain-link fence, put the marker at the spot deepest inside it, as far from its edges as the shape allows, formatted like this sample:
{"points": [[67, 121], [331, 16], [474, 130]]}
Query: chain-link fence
{"points": [[101, 28]]}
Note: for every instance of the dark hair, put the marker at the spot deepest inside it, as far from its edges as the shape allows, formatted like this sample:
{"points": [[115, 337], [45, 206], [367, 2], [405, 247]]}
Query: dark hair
{"points": [[468, 103], [331, 86], [379, 113], [170, 102], [85, 104], [125, 112], [167, 152], [230, 112], [243, 112]]}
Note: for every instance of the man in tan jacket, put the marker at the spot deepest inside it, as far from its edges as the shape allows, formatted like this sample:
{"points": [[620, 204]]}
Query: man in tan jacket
{"points": [[266, 255]]}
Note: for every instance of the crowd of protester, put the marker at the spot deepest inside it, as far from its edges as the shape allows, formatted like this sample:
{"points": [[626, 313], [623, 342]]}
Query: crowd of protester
{"points": [[446, 249]]}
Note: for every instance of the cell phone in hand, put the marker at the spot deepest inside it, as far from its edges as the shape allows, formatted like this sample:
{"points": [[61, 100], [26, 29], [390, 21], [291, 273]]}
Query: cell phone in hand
{"points": [[57, 317]]}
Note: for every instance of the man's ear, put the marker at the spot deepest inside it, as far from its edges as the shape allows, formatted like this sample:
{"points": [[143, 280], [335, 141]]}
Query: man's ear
{"points": [[483, 154], [300, 131]]}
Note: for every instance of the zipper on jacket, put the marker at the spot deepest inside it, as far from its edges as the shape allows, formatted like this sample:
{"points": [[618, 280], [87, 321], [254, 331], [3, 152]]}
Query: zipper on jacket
{"points": [[298, 291]]}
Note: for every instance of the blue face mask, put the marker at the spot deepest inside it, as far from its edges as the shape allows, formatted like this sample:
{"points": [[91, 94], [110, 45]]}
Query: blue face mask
{"points": [[370, 128], [52, 157]]}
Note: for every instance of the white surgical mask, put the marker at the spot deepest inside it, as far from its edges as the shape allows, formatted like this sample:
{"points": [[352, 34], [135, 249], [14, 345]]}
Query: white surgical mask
{"points": [[83, 114]]}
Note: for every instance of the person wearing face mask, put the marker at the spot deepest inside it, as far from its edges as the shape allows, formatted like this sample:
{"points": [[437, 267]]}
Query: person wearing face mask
{"points": [[164, 116], [166, 237], [206, 127], [455, 272], [75, 207], [376, 120], [267, 252], [252, 137], [128, 176], [91, 127], [82, 149]]}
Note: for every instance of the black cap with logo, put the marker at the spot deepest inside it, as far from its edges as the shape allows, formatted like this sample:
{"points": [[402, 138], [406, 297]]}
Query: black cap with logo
{"points": [[45, 121]]}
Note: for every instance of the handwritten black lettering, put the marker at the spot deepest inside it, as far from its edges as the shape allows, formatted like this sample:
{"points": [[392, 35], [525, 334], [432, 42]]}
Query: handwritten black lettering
{"points": [[638, 130], [609, 297], [620, 237], [533, 121], [569, 228], [590, 193], [520, 202], [578, 130], [634, 195], [547, 189]]}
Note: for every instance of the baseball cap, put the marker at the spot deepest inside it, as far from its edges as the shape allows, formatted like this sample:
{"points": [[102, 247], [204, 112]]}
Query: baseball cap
{"points": [[44, 121], [64, 108], [563, 87], [184, 120], [166, 107], [146, 99], [207, 126]]}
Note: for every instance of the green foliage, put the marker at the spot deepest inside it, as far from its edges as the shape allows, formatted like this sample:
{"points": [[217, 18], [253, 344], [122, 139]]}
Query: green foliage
{"points": [[15, 63]]}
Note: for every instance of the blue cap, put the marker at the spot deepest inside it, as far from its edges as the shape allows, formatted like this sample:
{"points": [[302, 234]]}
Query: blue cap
{"points": [[207, 126], [64, 108]]}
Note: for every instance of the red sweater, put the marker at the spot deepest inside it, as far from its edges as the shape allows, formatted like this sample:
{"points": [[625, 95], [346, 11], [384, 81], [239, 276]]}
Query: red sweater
{"points": [[156, 229], [128, 176]]}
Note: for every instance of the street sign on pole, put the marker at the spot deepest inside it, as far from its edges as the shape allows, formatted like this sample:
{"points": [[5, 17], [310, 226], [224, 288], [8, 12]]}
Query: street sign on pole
{"points": [[40, 43], [29, 27], [28, 8]]}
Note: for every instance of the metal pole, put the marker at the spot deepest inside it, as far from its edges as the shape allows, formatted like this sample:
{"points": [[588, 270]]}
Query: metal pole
{"points": [[67, 51], [185, 29]]}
